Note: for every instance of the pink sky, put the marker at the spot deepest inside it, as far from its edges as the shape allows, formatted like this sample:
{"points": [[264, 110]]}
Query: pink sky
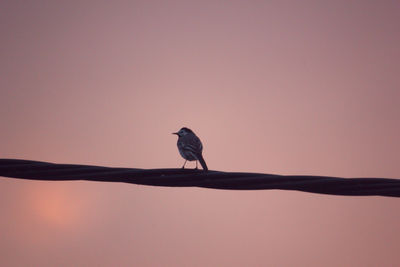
{"points": [[286, 87]]}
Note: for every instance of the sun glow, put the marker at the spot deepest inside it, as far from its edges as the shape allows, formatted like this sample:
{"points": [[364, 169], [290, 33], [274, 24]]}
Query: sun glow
{"points": [[55, 205]]}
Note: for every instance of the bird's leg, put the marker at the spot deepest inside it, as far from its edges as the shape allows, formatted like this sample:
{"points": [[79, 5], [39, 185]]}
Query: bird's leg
{"points": [[196, 165], [184, 164]]}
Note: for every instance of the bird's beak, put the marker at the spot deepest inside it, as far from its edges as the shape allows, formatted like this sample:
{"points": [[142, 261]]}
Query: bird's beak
{"points": [[175, 133]]}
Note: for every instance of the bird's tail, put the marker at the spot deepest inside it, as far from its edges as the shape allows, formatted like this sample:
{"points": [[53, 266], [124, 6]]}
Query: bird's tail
{"points": [[202, 162]]}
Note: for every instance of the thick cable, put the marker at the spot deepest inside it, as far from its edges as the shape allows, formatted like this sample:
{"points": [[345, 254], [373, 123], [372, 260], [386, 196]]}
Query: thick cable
{"points": [[36, 170]]}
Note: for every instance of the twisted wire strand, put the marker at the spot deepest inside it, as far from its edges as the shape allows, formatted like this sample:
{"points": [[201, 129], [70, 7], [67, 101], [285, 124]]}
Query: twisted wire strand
{"points": [[36, 170]]}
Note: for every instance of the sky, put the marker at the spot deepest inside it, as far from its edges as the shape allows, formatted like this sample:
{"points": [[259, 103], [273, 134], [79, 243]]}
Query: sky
{"points": [[284, 87]]}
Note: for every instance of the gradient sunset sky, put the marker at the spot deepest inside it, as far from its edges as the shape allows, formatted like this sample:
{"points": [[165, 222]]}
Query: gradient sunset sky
{"points": [[285, 87]]}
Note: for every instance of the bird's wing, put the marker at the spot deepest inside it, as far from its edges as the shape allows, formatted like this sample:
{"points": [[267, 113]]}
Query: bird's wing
{"points": [[193, 146], [196, 145]]}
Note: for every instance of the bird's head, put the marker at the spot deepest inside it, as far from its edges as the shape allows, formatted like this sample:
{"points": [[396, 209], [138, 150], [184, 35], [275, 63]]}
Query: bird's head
{"points": [[184, 131]]}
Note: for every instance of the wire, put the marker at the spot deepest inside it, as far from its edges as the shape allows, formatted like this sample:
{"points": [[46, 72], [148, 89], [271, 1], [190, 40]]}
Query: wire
{"points": [[36, 170]]}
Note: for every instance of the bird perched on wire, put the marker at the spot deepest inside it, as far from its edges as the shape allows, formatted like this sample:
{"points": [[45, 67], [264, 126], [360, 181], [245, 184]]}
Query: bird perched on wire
{"points": [[190, 147]]}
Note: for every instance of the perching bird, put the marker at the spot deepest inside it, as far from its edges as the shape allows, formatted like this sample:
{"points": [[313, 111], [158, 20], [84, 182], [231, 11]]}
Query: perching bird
{"points": [[190, 147]]}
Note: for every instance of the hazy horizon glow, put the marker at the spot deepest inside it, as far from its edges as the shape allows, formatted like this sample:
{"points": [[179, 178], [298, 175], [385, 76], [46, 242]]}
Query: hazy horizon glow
{"points": [[269, 86]]}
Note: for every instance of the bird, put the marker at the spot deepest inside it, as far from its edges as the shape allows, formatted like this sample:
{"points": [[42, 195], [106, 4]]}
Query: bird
{"points": [[190, 147]]}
